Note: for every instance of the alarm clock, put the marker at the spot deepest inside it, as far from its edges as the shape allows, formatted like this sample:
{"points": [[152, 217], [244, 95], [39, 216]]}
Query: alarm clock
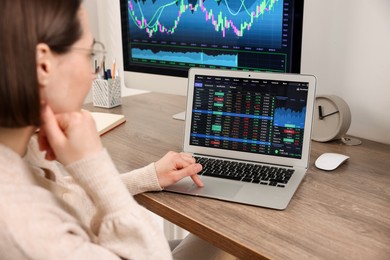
{"points": [[331, 118]]}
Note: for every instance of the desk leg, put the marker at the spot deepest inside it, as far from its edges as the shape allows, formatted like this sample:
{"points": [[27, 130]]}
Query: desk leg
{"points": [[172, 231]]}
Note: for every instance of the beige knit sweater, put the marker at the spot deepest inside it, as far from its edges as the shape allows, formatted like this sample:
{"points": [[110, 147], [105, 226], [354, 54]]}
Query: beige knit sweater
{"points": [[81, 211]]}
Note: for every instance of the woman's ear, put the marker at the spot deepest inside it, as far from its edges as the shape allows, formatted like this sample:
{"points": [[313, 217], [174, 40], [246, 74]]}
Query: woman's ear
{"points": [[44, 61]]}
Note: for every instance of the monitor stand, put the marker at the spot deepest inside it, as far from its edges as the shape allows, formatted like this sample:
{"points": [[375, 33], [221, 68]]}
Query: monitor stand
{"points": [[180, 116]]}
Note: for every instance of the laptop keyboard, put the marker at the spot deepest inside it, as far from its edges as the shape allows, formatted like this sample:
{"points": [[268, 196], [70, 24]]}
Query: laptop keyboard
{"points": [[247, 172]]}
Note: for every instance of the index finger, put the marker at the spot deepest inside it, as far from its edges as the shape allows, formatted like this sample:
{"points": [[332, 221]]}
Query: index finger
{"points": [[197, 180], [50, 126]]}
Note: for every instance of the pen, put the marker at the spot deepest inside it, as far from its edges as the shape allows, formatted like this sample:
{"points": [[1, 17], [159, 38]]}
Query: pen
{"points": [[113, 69], [104, 68], [108, 74], [100, 68]]}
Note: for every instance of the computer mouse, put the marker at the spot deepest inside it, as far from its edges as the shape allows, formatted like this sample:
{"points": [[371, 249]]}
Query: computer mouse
{"points": [[330, 161]]}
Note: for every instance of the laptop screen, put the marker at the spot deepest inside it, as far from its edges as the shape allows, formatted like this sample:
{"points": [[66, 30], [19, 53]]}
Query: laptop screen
{"points": [[249, 115]]}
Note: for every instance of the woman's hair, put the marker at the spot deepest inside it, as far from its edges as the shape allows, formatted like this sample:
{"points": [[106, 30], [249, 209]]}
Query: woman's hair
{"points": [[24, 24]]}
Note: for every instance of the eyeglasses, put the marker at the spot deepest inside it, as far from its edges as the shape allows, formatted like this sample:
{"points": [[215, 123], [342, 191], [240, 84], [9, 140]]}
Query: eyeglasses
{"points": [[98, 56]]}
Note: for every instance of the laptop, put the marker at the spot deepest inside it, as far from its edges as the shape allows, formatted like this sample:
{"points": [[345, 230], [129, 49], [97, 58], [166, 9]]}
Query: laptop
{"points": [[251, 132]]}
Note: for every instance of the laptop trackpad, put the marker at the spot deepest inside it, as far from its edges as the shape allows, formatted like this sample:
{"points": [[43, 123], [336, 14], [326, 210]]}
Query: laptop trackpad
{"points": [[214, 188]]}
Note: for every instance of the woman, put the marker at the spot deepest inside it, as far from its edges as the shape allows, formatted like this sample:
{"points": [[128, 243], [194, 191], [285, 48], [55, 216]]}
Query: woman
{"points": [[45, 56]]}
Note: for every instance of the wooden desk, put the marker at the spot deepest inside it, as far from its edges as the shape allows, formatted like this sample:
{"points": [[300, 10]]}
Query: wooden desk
{"points": [[344, 214]]}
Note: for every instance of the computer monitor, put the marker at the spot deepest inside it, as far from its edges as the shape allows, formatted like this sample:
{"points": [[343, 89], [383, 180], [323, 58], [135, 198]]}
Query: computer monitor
{"points": [[162, 39]]}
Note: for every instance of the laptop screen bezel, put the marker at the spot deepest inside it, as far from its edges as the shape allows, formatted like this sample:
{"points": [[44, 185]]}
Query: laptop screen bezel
{"points": [[294, 162]]}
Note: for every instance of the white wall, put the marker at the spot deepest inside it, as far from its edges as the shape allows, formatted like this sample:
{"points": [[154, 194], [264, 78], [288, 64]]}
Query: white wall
{"points": [[91, 6], [346, 45]]}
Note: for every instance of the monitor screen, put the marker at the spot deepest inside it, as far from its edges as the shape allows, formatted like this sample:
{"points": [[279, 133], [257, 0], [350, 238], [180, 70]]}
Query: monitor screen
{"points": [[167, 37]]}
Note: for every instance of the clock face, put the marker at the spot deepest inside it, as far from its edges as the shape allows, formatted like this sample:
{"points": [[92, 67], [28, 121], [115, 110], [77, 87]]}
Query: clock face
{"points": [[326, 120]]}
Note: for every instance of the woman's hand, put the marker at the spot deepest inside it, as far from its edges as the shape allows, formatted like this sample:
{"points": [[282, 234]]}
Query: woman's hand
{"points": [[175, 166], [68, 137]]}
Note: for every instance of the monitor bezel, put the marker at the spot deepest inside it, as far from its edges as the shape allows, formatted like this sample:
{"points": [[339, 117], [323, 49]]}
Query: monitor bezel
{"points": [[297, 30]]}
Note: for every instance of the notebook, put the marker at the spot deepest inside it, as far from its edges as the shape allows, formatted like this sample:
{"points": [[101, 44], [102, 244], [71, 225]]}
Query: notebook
{"points": [[254, 129], [106, 121]]}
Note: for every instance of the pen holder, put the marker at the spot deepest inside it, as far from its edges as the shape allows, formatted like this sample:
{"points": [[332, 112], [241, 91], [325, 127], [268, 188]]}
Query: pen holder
{"points": [[106, 92]]}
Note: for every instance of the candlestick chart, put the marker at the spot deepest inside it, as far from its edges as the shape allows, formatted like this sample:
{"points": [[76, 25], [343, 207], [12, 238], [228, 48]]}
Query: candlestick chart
{"points": [[219, 22]]}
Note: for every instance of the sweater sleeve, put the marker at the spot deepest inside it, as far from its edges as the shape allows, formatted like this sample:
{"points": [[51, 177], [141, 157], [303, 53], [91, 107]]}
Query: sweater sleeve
{"points": [[141, 180], [34, 226], [120, 223]]}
